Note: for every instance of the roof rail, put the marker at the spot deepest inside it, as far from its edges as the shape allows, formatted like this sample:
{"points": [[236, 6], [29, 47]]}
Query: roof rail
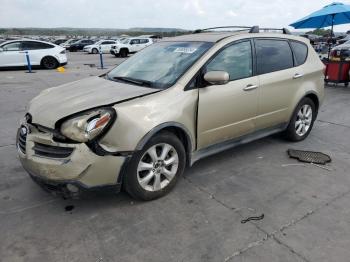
{"points": [[243, 28], [284, 30], [252, 29]]}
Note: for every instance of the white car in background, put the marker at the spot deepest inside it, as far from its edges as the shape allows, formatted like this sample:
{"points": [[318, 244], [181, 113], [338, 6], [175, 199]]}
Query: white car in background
{"points": [[43, 54], [130, 46], [105, 46]]}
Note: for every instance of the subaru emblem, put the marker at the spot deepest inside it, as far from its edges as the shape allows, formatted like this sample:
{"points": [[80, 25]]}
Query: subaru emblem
{"points": [[23, 130]]}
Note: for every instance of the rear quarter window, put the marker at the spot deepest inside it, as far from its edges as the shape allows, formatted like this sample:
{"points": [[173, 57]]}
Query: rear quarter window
{"points": [[273, 55], [300, 52]]}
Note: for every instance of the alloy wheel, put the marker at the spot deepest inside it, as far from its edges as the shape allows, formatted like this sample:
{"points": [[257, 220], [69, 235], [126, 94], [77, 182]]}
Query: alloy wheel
{"points": [[304, 120], [157, 167]]}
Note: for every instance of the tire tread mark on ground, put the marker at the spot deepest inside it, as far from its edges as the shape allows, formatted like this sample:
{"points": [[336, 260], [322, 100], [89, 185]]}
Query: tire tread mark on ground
{"points": [[7, 145], [332, 123], [274, 233], [17, 210]]}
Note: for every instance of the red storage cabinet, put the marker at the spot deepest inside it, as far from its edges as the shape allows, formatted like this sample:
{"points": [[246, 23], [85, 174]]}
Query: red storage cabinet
{"points": [[337, 72]]}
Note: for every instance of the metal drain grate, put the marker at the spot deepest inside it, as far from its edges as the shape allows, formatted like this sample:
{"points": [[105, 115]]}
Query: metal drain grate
{"points": [[309, 156]]}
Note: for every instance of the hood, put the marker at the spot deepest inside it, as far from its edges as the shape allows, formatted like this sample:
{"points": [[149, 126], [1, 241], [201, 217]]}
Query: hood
{"points": [[55, 103], [342, 46]]}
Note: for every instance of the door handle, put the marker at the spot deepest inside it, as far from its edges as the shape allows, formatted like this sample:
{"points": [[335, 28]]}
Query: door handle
{"points": [[250, 87], [297, 75]]}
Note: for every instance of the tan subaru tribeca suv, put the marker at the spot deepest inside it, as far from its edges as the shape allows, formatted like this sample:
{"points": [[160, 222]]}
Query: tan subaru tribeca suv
{"points": [[175, 102]]}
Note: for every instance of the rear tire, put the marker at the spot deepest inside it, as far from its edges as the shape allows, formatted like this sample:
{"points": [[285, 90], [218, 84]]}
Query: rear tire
{"points": [[302, 120], [154, 170], [49, 62]]}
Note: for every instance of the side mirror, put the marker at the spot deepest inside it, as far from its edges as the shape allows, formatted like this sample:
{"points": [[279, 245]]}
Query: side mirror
{"points": [[217, 77]]}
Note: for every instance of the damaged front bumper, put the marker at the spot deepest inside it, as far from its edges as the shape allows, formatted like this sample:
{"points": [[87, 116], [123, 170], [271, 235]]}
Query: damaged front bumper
{"points": [[66, 168]]}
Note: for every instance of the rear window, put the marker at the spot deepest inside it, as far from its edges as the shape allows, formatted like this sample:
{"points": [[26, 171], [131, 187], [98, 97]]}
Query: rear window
{"points": [[300, 52], [273, 55]]}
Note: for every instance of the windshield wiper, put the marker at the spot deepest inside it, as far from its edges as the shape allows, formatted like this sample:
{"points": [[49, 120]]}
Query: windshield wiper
{"points": [[139, 82]]}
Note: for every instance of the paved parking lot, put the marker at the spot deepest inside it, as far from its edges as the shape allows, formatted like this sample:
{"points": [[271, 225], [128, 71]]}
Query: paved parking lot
{"points": [[306, 208]]}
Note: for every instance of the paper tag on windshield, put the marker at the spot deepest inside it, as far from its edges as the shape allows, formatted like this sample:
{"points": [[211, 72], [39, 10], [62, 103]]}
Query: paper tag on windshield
{"points": [[186, 50]]}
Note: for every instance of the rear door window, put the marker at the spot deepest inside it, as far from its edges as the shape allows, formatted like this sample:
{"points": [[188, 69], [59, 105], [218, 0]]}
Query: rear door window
{"points": [[273, 55], [235, 60], [30, 45], [300, 52]]}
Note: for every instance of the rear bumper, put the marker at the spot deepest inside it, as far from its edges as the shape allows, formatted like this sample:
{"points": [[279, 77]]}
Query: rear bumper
{"points": [[62, 58], [55, 165]]}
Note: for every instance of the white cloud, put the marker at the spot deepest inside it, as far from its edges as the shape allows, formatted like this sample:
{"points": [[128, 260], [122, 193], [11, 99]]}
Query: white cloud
{"points": [[231, 13], [187, 14], [194, 6]]}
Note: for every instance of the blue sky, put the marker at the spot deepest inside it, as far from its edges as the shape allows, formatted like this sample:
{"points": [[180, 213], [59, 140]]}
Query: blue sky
{"points": [[187, 14]]}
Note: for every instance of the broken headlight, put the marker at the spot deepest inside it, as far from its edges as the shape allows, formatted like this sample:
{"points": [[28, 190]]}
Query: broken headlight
{"points": [[89, 125]]}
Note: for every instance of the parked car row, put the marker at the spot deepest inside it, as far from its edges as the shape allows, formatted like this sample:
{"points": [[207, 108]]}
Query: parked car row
{"points": [[119, 48], [49, 55]]}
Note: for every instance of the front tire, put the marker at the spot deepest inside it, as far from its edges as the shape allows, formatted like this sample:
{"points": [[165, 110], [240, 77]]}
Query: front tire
{"points": [[154, 170], [302, 120], [123, 53], [49, 62], [94, 51]]}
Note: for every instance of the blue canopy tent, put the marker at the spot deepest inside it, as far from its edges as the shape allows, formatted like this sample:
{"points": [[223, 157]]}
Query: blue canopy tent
{"points": [[330, 15]]}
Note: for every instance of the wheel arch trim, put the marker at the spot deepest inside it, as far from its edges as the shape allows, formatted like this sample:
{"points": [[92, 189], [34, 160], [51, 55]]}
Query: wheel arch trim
{"points": [[306, 94], [156, 129]]}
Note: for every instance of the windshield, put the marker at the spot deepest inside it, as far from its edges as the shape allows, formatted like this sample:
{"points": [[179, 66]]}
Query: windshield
{"points": [[159, 65], [99, 42], [124, 41]]}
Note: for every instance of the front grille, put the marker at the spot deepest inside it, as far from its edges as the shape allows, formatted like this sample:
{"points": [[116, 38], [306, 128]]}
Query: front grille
{"points": [[22, 138], [52, 151], [114, 47]]}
